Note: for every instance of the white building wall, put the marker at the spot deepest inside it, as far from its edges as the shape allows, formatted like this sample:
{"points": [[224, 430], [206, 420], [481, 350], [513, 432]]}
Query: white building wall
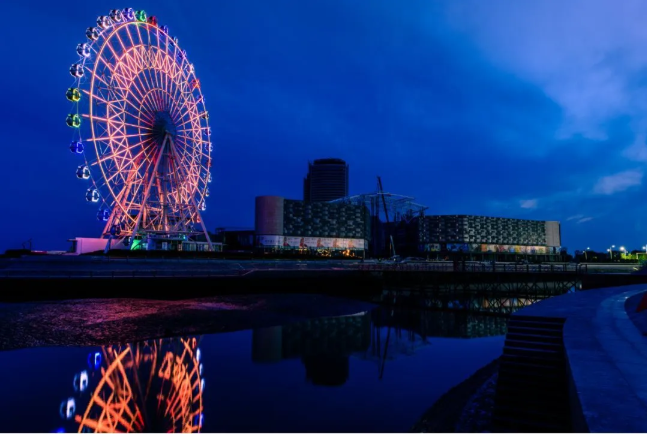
{"points": [[553, 234]]}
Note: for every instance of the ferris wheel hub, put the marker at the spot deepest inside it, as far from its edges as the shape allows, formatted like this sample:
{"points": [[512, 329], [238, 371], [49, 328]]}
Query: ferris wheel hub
{"points": [[163, 126]]}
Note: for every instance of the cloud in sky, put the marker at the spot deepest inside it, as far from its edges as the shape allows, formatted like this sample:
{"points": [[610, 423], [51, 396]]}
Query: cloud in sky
{"points": [[638, 150], [587, 55], [528, 203], [619, 182]]}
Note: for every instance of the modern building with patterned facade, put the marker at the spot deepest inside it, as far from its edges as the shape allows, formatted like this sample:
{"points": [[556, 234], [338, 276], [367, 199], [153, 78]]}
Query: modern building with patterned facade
{"points": [[294, 224], [479, 234], [327, 179]]}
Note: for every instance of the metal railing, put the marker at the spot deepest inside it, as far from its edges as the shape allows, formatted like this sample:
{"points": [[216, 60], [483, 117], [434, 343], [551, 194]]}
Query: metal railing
{"points": [[239, 269], [478, 267]]}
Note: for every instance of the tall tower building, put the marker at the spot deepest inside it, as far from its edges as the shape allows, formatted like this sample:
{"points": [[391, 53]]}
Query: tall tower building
{"points": [[327, 179]]}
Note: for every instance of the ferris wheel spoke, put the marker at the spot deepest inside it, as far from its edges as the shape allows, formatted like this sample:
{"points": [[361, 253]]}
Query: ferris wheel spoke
{"points": [[124, 149], [131, 61], [108, 86], [184, 94], [177, 85], [102, 119], [176, 97], [145, 91], [194, 118], [189, 119], [146, 104], [198, 150], [127, 62], [111, 138], [136, 116], [142, 87], [153, 69], [115, 74], [183, 168], [121, 168], [180, 77], [142, 48], [118, 62], [190, 126], [123, 196], [144, 146], [167, 79], [161, 84], [152, 175], [186, 159], [175, 109], [180, 182], [190, 160], [120, 109], [147, 55]]}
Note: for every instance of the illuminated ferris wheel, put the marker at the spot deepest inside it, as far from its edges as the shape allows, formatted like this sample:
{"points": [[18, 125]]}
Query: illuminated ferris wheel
{"points": [[140, 128]]}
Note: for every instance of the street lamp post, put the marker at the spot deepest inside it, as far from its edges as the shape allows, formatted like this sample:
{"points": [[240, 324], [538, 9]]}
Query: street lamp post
{"points": [[624, 252], [611, 253], [586, 258]]}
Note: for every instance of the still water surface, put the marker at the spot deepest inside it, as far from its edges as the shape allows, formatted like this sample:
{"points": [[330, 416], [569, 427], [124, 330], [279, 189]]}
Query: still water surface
{"points": [[374, 371]]}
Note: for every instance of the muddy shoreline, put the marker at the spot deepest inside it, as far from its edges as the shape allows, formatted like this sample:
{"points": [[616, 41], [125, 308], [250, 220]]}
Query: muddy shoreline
{"points": [[114, 321]]}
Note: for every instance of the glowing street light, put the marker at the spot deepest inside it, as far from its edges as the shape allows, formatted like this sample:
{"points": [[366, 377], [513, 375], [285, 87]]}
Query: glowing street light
{"points": [[588, 248], [610, 250]]}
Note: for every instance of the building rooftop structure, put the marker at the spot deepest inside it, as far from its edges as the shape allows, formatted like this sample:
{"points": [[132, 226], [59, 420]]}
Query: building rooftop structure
{"points": [[327, 180]]}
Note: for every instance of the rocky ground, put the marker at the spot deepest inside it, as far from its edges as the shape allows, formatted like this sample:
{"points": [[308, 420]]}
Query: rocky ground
{"points": [[466, 408]]}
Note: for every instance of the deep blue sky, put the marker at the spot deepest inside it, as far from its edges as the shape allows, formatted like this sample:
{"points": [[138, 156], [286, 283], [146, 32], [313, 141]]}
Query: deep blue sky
{"points": [[513, 109]]}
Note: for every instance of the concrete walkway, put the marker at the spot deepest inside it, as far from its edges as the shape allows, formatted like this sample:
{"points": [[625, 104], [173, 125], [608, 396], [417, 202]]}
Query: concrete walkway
{"points": [[606, 353]]}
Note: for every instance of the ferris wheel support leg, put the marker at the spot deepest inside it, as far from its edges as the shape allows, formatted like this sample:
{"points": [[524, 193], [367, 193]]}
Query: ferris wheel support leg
{"points": [[107, 249], [195, 205], [120, 205], [150, 184], [204, 228]]}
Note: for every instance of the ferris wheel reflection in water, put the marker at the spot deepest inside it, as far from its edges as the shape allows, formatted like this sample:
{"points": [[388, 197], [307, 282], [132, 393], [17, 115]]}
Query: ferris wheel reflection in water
{"points": [[151, 386]]}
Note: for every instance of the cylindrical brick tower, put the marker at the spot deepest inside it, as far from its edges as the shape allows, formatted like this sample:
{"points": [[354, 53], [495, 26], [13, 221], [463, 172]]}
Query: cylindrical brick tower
{"points": [[269, 215]]}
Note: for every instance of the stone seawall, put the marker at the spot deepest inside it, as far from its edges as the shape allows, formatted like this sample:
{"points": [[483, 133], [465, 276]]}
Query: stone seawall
{"points": [[604, 355]]}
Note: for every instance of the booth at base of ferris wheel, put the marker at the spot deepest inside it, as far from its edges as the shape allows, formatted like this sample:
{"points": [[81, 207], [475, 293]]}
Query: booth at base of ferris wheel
{"points": [[149, 242]]}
